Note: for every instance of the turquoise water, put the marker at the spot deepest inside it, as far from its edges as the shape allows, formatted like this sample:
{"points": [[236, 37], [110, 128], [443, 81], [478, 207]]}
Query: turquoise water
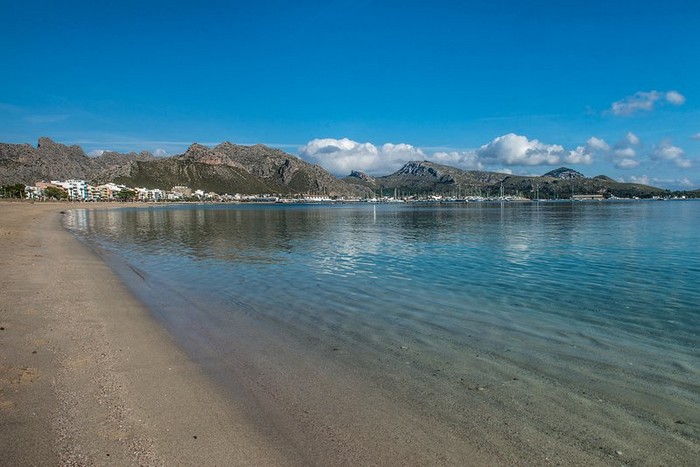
{"points": [[599, 298]]}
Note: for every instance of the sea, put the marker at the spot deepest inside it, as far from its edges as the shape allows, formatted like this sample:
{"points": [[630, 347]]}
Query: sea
{"points": [[568, 318]]}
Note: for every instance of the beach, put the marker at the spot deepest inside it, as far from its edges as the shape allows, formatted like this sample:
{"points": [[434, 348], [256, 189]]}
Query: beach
{"points": [[87, 377], [90, 375]]}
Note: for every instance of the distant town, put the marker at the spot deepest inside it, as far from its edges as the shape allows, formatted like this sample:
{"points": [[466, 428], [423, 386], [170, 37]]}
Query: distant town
{"points": [[75, 190], [82, 191]]}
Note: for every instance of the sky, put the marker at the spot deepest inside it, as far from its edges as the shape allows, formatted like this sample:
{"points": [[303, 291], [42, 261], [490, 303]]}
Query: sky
{"points": [[604, 87]]}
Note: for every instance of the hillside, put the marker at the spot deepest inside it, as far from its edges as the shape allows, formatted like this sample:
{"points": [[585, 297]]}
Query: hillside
{"points": [[232, 168], [226, 168], [430, 178], [23, 163]]}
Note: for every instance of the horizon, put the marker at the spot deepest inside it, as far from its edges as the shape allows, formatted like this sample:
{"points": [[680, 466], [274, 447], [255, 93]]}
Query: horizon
{"points": [[505, 87]]}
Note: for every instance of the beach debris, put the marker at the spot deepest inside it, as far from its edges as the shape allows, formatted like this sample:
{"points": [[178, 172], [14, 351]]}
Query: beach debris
{"points": [[619, 453], [404, 347]]}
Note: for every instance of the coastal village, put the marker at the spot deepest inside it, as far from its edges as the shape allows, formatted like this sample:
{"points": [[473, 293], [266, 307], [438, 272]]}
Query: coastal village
{"points": [[76, 190], [82, 191]]}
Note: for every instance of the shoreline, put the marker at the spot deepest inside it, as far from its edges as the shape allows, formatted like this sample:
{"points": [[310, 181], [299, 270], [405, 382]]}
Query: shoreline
{"points": [[88, 377]]}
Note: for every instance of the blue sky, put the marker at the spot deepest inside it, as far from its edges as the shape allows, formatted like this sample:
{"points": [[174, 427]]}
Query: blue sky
{"points": [[605, 87]]}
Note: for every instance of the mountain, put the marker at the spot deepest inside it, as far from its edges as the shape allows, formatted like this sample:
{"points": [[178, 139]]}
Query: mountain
{"points": [[564, 173], [226, 168], [431, 178], [428, 178], [360, 178], [232, 168], [562, 188], [23, 163]]}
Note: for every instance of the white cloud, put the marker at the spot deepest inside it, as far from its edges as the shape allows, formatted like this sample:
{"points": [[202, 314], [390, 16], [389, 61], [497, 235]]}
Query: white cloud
{"points": [[598, 144], [668, 152], [467, 160], [580, 155], [340, 156], [96, 152], [696, 136], [632, 139], [645, 102], [160, 152], [626, 164], [642, 179], [512, 149], [674, 183], [675, 98], [625, 152]]}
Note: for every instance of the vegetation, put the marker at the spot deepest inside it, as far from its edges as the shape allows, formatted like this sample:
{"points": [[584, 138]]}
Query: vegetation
{"points": [[52, 192], [13, 191], [125, 195]]}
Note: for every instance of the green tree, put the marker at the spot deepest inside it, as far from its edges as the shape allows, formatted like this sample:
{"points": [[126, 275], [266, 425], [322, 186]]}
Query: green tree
{"points": [[52, 192], [13, 191], [125, 195]]}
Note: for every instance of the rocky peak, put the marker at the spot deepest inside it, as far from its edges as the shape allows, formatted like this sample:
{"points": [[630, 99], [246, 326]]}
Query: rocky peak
{"points": [[564, 173], [362, 176], [46, 143], [419, 169]]}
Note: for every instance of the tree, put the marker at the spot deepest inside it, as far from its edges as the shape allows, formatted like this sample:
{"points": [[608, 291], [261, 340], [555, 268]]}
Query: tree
{"points": [[125, 195], [13, 191], [52, 192]]}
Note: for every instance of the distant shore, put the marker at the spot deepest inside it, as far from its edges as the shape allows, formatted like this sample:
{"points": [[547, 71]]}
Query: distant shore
{"points": [[87, 377]]}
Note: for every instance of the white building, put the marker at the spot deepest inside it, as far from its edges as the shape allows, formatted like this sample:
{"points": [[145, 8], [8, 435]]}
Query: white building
{"points": [[77, 189], [147, 194], [108, 191]]}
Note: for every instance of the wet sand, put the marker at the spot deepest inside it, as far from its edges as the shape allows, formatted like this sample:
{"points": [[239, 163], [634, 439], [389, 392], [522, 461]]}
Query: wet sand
{"points": [[89, 377]]}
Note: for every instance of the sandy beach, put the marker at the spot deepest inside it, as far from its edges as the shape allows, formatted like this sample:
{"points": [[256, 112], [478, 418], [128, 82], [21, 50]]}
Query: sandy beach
{"points": [[87, 377]]}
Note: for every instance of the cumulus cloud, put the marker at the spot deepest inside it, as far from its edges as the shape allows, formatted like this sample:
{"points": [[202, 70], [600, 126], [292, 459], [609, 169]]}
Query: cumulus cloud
{"points": [[96, 152], [512, 149], [625, 152], [643, 101], [340, 156], [467, 160], [160, 152], [675, 98], [598, 144], [632, 139], [669, 152], [626, 164], [580, 155], [642, 179]]}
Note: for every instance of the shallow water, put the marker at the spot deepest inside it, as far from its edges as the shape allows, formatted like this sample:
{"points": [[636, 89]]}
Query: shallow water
{"points": [[600, 299]]}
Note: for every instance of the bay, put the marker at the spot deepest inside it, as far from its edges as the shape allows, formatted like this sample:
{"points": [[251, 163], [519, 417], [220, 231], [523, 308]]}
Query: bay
{"points": [[559, 319]]}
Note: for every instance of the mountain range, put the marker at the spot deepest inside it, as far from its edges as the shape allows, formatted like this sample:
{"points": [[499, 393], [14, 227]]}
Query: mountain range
{"points": [[231, 168]]}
